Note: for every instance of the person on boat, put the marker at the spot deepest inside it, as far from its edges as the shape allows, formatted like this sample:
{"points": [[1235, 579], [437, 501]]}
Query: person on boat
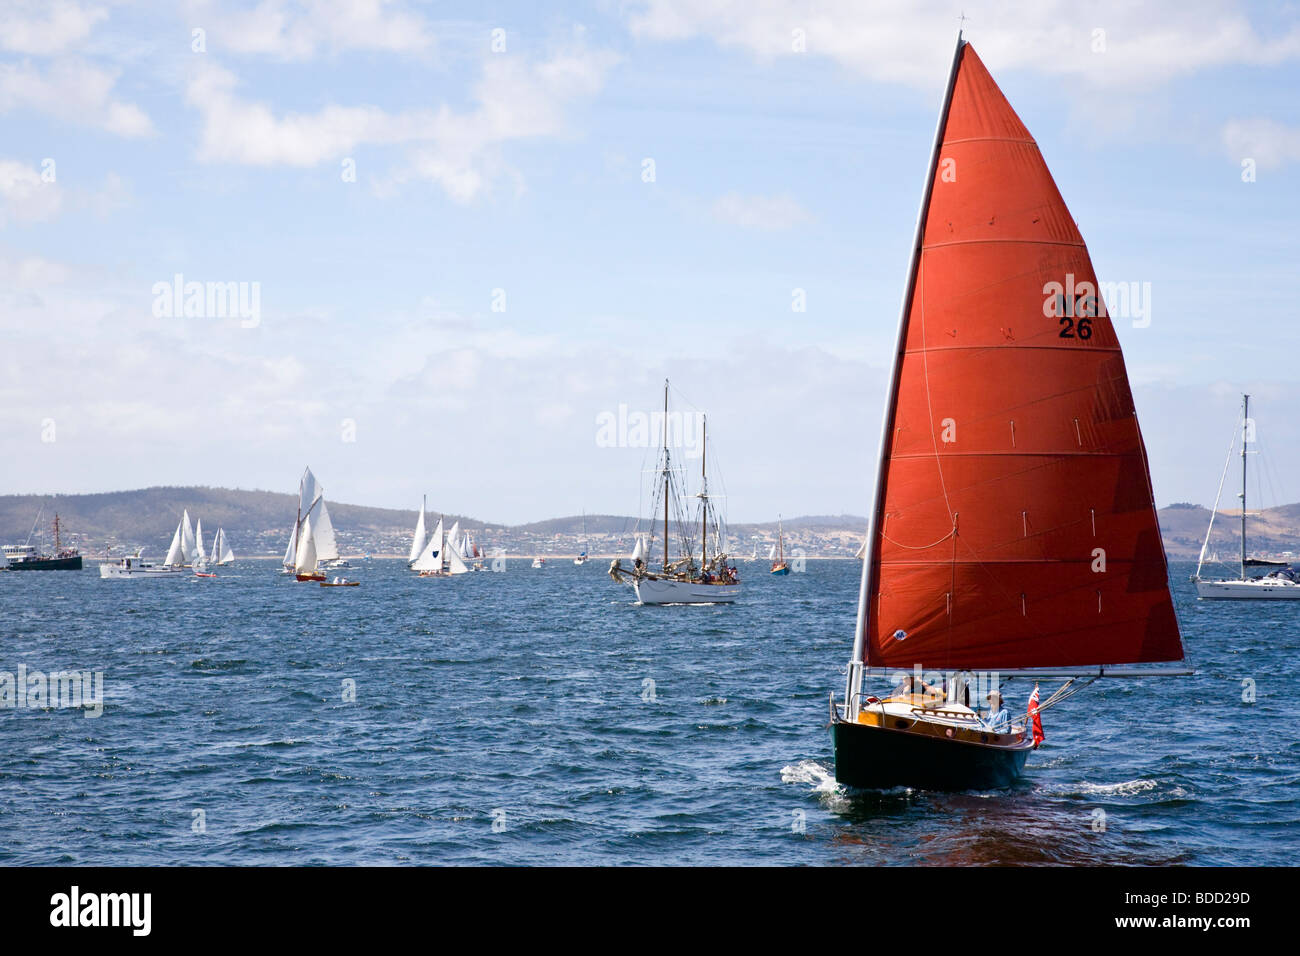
{"points": [[997, 719], [911, 687]]}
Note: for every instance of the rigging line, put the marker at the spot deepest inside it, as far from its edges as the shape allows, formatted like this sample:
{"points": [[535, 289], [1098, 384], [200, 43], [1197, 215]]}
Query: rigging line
{"points": [[1219, 494]]}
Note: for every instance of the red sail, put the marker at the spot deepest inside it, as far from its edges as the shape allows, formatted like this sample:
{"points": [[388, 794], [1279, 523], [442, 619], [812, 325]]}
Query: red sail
{"points": [[1015, 525]]}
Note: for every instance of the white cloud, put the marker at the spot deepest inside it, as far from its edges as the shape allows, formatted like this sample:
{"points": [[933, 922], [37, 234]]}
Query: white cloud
{"points": [[299, 29], [911, 43], [1270, 143], [45, 28], [24, 195], [760, 212], [240, 131], [513, 100], [74, 91]]}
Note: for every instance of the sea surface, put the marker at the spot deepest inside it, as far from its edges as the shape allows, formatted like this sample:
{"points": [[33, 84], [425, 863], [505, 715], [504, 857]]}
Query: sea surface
{"points": [[540, 717]]}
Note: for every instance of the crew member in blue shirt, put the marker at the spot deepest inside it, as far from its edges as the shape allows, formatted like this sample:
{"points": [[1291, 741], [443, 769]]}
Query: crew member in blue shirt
{"points": [[997, 719]]}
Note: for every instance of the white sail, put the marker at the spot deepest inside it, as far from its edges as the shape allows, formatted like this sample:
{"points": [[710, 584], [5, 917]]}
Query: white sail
{"points": [[309, 492], [214, 557], [187, 536], [453, 538], [226, 555], [175, 557], [306, 560], [455, 564], [198, 543], [417, 542], [430, 558], [771, 553], [323, 530], [638, 552], [291, 552], [861, 553]]}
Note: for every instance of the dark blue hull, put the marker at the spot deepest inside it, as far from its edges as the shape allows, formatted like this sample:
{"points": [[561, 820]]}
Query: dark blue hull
{"points": [[875, 758]]}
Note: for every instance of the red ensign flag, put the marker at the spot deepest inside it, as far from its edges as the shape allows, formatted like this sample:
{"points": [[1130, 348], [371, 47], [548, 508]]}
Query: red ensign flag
{"points": [[1034, 719]]}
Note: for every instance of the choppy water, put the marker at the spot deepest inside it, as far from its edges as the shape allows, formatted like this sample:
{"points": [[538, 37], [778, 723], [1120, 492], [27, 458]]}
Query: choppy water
{"points": [[508, 718]]}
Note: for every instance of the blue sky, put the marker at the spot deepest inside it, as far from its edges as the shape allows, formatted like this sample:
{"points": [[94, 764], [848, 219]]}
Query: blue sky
{"points": [[522, 170]]}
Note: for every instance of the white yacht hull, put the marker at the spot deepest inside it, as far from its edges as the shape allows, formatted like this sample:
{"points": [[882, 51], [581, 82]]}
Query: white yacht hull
{"points": [[114, 571], [650, 591], [1260, 589]]}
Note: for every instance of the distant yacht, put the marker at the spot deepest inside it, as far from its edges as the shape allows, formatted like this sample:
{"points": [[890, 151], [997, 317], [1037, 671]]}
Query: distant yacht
{"points": [[680, 581], [178, 563], [181, 552], [581, 559], [1280, 585], [25, 557], [539, 562], [222, 554], [779, 567], [137, 567], [439, 558], [312, 548]]}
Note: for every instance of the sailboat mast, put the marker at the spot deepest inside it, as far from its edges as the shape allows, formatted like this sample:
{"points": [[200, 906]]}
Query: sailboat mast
{"points": [[704, 497], [854, 682], [1245, 432], [664, 474]]}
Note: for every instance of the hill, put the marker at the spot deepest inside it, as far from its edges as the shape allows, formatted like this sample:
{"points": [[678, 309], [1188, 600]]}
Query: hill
{"points": [[257, 524]]}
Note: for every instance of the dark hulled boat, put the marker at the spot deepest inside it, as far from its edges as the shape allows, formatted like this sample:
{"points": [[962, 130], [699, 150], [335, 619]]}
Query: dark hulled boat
{"points": [[25, 557], [1014, 531]]}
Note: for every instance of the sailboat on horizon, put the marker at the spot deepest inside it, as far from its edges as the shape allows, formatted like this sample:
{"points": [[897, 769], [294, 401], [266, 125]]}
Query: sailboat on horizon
{"points": [[1013, 535], [581, 559], [312, 546], [680, 581], [440, 557], [1278, 585], [222, 554], [777, 557]]}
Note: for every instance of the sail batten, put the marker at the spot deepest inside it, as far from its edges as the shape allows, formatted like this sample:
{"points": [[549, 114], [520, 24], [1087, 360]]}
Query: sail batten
{"points": [[1014, 524]]}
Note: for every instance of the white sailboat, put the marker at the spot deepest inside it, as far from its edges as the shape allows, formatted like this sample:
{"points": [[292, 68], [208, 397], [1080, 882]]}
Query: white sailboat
{"points": [[182, 546], [312, 539], [441, 557], [221, 553], [682, 581], [306, 563], [199, 560], [430, 559], [1279, 585]]}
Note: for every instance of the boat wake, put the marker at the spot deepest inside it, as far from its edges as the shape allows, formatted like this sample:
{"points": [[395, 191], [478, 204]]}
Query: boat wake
{"points": [[1127, 788], [813, 775]]}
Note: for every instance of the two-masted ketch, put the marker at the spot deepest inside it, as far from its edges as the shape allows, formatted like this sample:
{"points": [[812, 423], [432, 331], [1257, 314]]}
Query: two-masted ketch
{"points": [[690, 578], [312, 548], [1277, 585], [1013, 533], [777, 555]]}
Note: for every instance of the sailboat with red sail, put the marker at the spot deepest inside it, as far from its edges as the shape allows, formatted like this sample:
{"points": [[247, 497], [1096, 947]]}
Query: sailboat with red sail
{"points": [[1014, 532]]}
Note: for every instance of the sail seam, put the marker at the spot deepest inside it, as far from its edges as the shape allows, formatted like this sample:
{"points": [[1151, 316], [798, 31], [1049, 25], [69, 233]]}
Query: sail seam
{"points": [[1037, 242]]}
